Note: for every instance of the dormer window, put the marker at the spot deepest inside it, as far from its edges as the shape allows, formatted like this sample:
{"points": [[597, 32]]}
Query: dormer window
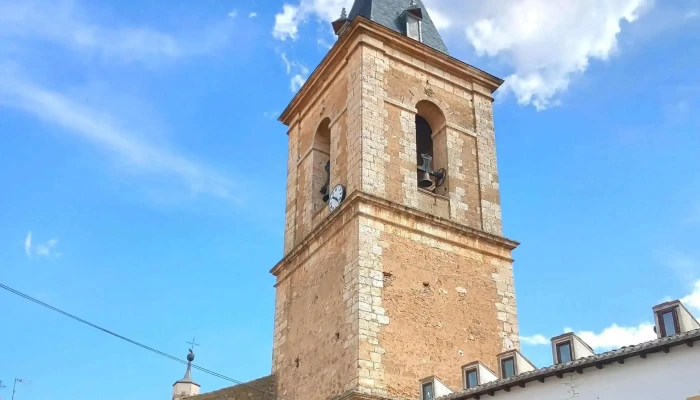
{"points": [[564, 352], [475, 374], [432, 387], [569, 347], [471, 378], [427, 391], [668, 322], [673, 318], [413, 17], [413, 27], [508, 367]]}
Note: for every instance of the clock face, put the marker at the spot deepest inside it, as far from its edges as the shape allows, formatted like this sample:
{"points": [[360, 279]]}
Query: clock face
{"points": [[337, 196]]}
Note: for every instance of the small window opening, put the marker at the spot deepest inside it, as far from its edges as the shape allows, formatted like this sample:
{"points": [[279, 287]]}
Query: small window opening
{"points": [[424, 139], [427, 392], [564, 354], [321, 165], [424, 153], [431, 148], [414, 28], [508, 367], [471, 378], [668, 322]]}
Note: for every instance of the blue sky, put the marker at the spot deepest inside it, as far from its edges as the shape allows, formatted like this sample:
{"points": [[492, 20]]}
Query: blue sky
{"points": [[140, 149]]}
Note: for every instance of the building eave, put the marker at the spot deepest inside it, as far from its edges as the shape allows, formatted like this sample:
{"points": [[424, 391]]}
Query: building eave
{"points": [[598, 361], [348, 210], [409, 46]]}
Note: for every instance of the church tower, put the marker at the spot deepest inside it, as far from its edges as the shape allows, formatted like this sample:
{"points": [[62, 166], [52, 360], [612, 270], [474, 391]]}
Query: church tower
{"points": [[186, 387], [395, 267]]}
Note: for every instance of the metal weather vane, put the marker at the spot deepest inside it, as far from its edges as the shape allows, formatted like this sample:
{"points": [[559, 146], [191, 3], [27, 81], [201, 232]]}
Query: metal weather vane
{"points": [[192, 345]]}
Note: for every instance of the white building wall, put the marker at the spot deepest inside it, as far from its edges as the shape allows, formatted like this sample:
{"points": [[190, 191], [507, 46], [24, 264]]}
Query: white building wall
{"points": [[485, 375], [580, 350], [523, 365], [672, 376], [440, 388], [687, 322]]}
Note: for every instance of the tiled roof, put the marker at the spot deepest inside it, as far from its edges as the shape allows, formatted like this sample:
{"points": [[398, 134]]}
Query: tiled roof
{"points": [[598, 361], [260, 389], [388, 13]]}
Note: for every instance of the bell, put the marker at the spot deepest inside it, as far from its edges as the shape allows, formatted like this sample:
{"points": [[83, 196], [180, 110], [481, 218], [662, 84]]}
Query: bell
{"points": [[325, 191], [424, 178]]}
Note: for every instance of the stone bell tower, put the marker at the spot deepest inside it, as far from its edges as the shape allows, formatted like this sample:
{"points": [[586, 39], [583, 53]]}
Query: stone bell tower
{"points": [[395, 267]]}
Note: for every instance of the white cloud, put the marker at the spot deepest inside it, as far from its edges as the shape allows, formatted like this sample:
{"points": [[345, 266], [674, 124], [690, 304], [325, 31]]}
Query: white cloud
{"points": [[287, 23], [28, 244], [103, 131], [66, 24], [534, 340], [297, 71], [252, 15], [545, 43], [693, 299], [47, 249], [297, 82], [233, 13], [616, 336], [271, 114]]}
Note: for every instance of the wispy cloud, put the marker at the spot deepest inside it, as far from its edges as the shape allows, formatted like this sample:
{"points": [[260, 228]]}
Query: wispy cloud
{"points": [[271, 114], [681, 264], [28, 244], [46, 250], [252, 15], [297, 82], [65, 23], [104, 131], [547, 44], [534, 340], [233, 13], [616, 336], [287, 23], [298, 72], [693, 299]]}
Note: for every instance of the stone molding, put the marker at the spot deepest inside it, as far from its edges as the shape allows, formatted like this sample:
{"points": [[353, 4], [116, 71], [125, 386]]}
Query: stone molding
{"points": [[351, 208], [367, 33]]}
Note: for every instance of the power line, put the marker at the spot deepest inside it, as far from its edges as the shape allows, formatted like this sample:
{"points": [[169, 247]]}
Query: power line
{"points": [[143, 346]]}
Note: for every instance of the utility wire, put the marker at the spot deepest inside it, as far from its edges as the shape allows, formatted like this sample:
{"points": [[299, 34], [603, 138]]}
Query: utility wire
{"points": [[143, 346]]}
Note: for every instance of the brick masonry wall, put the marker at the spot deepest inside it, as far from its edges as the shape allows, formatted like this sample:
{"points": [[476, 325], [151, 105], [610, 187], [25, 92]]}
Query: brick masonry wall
{"points": [[315, 325], [465, 146], [351, 293], [440, 300]]}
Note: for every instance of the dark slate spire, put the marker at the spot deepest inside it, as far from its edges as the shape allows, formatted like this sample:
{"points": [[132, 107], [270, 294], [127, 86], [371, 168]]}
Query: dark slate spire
{"points": [[188, 373], [391, 13]]}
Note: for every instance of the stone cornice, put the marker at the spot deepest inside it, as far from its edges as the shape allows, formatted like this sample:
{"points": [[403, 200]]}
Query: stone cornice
{"points": [[357, 395], [352, 207], [347, 43]]}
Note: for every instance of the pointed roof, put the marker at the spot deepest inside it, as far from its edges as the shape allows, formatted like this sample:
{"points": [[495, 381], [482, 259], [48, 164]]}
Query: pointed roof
{"points": [[390, 14], [188, 373]]}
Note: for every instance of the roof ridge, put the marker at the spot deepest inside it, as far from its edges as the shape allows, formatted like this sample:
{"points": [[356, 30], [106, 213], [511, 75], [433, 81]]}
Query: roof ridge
{"points": [[589, 361]]}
